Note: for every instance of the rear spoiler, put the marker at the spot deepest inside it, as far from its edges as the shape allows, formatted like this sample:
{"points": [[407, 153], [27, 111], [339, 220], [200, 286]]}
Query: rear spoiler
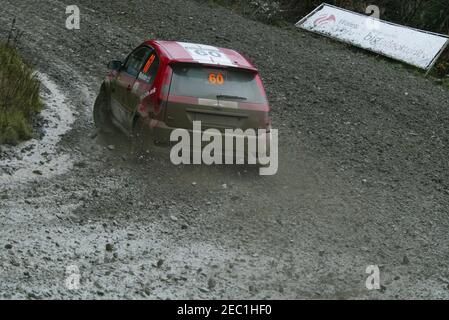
{"points": [[213, 65]]}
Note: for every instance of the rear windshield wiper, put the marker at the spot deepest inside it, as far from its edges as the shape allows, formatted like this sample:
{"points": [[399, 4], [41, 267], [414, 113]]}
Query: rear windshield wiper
{"points": [[224, 96]]}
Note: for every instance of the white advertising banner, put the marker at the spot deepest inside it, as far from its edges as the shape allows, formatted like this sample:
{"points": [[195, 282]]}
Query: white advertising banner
{"points": [[415, 47]]}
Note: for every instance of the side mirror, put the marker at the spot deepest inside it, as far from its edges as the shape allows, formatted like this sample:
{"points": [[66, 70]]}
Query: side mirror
{"points": [[115, 65]]}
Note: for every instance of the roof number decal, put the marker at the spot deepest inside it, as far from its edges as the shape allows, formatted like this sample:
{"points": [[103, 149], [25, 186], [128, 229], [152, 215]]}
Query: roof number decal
{"points": [[206, 54]]}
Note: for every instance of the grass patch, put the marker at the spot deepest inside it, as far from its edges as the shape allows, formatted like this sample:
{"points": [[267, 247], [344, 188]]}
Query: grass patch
{"points": [[19, 96]]}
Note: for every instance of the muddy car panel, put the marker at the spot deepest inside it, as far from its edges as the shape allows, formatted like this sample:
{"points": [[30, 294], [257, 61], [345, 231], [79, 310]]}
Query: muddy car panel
{"points": [[218, 97], [123, 86]]}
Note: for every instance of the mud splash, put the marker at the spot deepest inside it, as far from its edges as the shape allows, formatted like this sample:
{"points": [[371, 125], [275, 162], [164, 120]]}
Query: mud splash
{"points": [[41, 157]]}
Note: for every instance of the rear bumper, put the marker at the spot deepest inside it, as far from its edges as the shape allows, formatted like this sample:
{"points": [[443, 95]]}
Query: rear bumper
{"points": [[244, 147]]}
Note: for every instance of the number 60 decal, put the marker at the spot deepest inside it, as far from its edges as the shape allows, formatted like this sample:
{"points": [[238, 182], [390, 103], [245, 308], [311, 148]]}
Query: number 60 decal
{"points": [[212, 53], [216, 78]]}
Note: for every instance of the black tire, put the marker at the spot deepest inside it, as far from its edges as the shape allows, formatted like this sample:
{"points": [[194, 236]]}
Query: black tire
{"points": [[102, 112]]}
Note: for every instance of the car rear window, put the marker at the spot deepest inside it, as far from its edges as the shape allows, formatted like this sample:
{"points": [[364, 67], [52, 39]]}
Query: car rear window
{"points": [[214, 83]]}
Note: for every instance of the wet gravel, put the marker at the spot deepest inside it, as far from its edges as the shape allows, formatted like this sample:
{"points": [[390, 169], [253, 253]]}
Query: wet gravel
{"points": [[363, 177]]}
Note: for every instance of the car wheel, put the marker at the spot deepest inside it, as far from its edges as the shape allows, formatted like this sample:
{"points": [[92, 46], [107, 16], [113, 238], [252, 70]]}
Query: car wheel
{"points": [[102, 112]]}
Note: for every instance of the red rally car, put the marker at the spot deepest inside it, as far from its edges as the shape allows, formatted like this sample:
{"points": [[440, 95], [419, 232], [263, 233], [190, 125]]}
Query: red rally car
{"points": [[165, 85]]}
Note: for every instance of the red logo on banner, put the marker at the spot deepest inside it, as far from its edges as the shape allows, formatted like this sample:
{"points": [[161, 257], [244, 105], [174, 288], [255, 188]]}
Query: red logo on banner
{"points": [[324, 19]]}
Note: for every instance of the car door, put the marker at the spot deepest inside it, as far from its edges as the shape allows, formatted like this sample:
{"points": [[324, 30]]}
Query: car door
{"points": [[121, 91]]}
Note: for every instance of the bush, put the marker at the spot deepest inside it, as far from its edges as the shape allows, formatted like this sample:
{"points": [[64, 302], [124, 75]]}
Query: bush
{"points": [[19, 96]]}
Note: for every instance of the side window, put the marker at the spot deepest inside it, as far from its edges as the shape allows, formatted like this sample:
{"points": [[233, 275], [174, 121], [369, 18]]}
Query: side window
{"points": [[136, 60], [150, 69]]}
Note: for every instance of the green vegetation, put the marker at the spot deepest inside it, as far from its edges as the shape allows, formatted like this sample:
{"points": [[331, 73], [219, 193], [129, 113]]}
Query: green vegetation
{"points": [[19, 96]]}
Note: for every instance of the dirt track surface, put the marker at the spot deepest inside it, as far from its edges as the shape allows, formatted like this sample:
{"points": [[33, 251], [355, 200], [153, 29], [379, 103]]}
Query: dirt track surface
{"points": [[363, 177]]}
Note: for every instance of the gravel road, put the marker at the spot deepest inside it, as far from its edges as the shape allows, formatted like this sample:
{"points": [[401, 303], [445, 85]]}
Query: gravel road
{"points": [[363, 173]]}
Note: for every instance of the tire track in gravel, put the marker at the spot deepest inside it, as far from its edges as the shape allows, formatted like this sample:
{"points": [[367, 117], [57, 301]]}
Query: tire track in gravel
{"points": [[308, 232]]}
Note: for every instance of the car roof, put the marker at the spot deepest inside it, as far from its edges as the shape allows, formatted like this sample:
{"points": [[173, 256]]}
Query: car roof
{"points": [[202, 54]]}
